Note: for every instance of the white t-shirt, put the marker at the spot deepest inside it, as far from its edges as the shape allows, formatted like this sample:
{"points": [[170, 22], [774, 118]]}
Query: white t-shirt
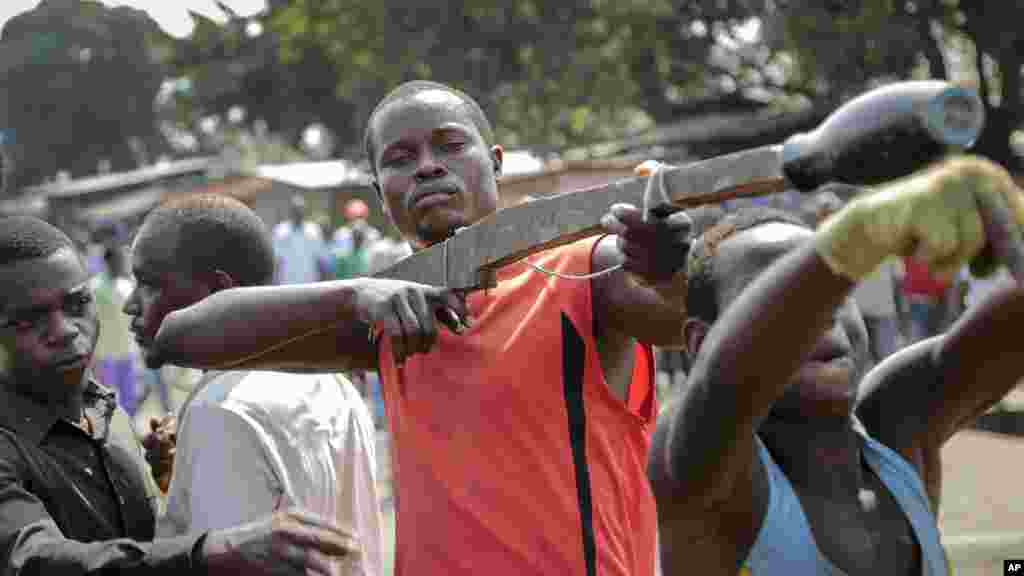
{"points": [[253, 442], [297, 252]]}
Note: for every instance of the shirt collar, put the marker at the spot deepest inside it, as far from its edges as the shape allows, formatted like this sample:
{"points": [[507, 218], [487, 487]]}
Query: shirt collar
{"points": [[33, 421]]}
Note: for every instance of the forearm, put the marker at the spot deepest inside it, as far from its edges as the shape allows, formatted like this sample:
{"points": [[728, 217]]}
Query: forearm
{"points": [[704, 443], [979, 358], [233, 326], [762, 338], [41, 549], [656, 314], [651, 313]]}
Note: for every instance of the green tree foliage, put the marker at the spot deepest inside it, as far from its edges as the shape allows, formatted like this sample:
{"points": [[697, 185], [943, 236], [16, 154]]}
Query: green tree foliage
{"points": [[577, 71], [79, 83], [570, 72], [231, 65], [545, 71]]}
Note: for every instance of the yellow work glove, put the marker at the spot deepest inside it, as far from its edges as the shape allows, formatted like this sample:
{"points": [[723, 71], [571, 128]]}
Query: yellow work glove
{"points": [[935, 216]]}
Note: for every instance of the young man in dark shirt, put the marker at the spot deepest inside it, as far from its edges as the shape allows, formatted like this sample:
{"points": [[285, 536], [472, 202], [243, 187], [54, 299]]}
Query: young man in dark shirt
{"points": [[73, 495]]}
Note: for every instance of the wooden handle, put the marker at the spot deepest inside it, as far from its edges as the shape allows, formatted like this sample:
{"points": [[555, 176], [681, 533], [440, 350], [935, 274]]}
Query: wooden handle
{"points": [[884, 134]]}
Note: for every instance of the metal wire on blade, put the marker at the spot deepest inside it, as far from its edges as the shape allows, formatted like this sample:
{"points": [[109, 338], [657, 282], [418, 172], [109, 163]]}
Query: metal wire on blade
{"points": [[656, 176], [566, 276]]}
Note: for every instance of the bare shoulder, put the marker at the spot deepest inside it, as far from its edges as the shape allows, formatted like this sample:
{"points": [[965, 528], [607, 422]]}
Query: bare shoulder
{"points": [[712, 539], [896, 397]]}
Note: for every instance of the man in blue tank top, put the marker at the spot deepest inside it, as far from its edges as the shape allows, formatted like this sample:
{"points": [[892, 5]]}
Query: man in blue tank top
{"points": [[783, 454]]}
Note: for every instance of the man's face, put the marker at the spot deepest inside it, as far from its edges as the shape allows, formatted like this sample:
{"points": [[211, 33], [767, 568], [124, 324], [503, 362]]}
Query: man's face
{"points": [[48, 319], [434, 169], [828, 378], [160, 288]]}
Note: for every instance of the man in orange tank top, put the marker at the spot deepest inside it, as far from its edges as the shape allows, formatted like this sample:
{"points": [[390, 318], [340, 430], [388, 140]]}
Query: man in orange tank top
{"points": [[521, 421]]}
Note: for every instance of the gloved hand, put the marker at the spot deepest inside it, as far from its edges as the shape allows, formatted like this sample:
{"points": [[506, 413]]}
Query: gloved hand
{"points": [[938, 216], [290, 542]]}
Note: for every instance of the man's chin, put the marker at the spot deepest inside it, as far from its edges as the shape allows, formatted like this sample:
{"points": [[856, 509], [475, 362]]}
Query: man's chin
{"points": [[435, 232], [822, 387]]}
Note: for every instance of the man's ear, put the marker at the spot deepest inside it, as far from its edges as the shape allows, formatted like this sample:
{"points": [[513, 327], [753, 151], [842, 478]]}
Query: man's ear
{"points": [[221, 280], [497, 157], [694, 331]]}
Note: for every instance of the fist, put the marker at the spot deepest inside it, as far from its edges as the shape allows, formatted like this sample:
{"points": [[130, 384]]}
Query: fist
{"points": [[944, 216], [410, 314], [160, 445], [653, 250]]}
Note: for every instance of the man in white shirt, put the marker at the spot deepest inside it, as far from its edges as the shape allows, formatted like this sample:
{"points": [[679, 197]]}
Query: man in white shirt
{"points": [[298, 246], [250, 442]]}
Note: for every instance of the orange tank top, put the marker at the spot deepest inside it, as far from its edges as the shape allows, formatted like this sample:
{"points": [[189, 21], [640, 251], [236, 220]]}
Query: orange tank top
{"points": [[511, 455]]}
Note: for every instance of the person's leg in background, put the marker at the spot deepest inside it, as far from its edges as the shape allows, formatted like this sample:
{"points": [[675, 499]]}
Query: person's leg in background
{"points": [[884, 335], [921, 318]]}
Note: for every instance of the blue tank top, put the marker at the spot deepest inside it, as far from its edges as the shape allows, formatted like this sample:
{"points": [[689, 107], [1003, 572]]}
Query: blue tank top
{"points": [[785, 544]]}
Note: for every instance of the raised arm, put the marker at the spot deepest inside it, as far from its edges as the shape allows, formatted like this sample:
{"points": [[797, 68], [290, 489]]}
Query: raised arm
{"points": [[918, 399], [704, 442], [756, 346], [322, 325]]}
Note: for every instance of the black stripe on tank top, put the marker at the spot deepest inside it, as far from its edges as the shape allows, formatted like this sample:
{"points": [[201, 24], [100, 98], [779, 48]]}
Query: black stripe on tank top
{"points": [[572, 377]]}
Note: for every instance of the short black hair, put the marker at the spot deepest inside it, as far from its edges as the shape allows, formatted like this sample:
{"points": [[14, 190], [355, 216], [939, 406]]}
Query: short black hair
{"points": [[702, 290], [414, 87], [215, 232], [28, 238]]}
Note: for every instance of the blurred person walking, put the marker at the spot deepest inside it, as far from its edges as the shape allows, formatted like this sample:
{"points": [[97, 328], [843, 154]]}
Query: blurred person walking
{"points": [[927, 304], [878, 297], [115, 350], [353, 260], [298, 245]]}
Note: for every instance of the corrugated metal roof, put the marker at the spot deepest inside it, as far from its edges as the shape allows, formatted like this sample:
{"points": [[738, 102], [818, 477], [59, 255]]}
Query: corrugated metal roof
{"points": [[83, 186], [328, 174]]}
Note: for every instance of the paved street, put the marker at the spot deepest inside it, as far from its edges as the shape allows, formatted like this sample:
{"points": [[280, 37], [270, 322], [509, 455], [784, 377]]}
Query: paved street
{"points": [[982, 513]]}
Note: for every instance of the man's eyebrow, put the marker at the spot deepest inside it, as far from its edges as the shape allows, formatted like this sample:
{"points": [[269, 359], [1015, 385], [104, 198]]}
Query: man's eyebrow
{"points": [[395, 145], [446, 129], [42, 308]]}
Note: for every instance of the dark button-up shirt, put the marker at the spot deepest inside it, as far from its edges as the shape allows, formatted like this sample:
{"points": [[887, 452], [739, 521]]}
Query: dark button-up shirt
{"points": [[72, 502]]}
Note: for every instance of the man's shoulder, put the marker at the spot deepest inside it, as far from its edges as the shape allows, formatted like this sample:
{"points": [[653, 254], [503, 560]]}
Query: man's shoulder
{"points": [[270, 394]]}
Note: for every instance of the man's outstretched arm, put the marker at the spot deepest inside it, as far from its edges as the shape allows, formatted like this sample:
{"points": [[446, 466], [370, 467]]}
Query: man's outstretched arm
{"points": [[705, 440], [324, 325]]}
